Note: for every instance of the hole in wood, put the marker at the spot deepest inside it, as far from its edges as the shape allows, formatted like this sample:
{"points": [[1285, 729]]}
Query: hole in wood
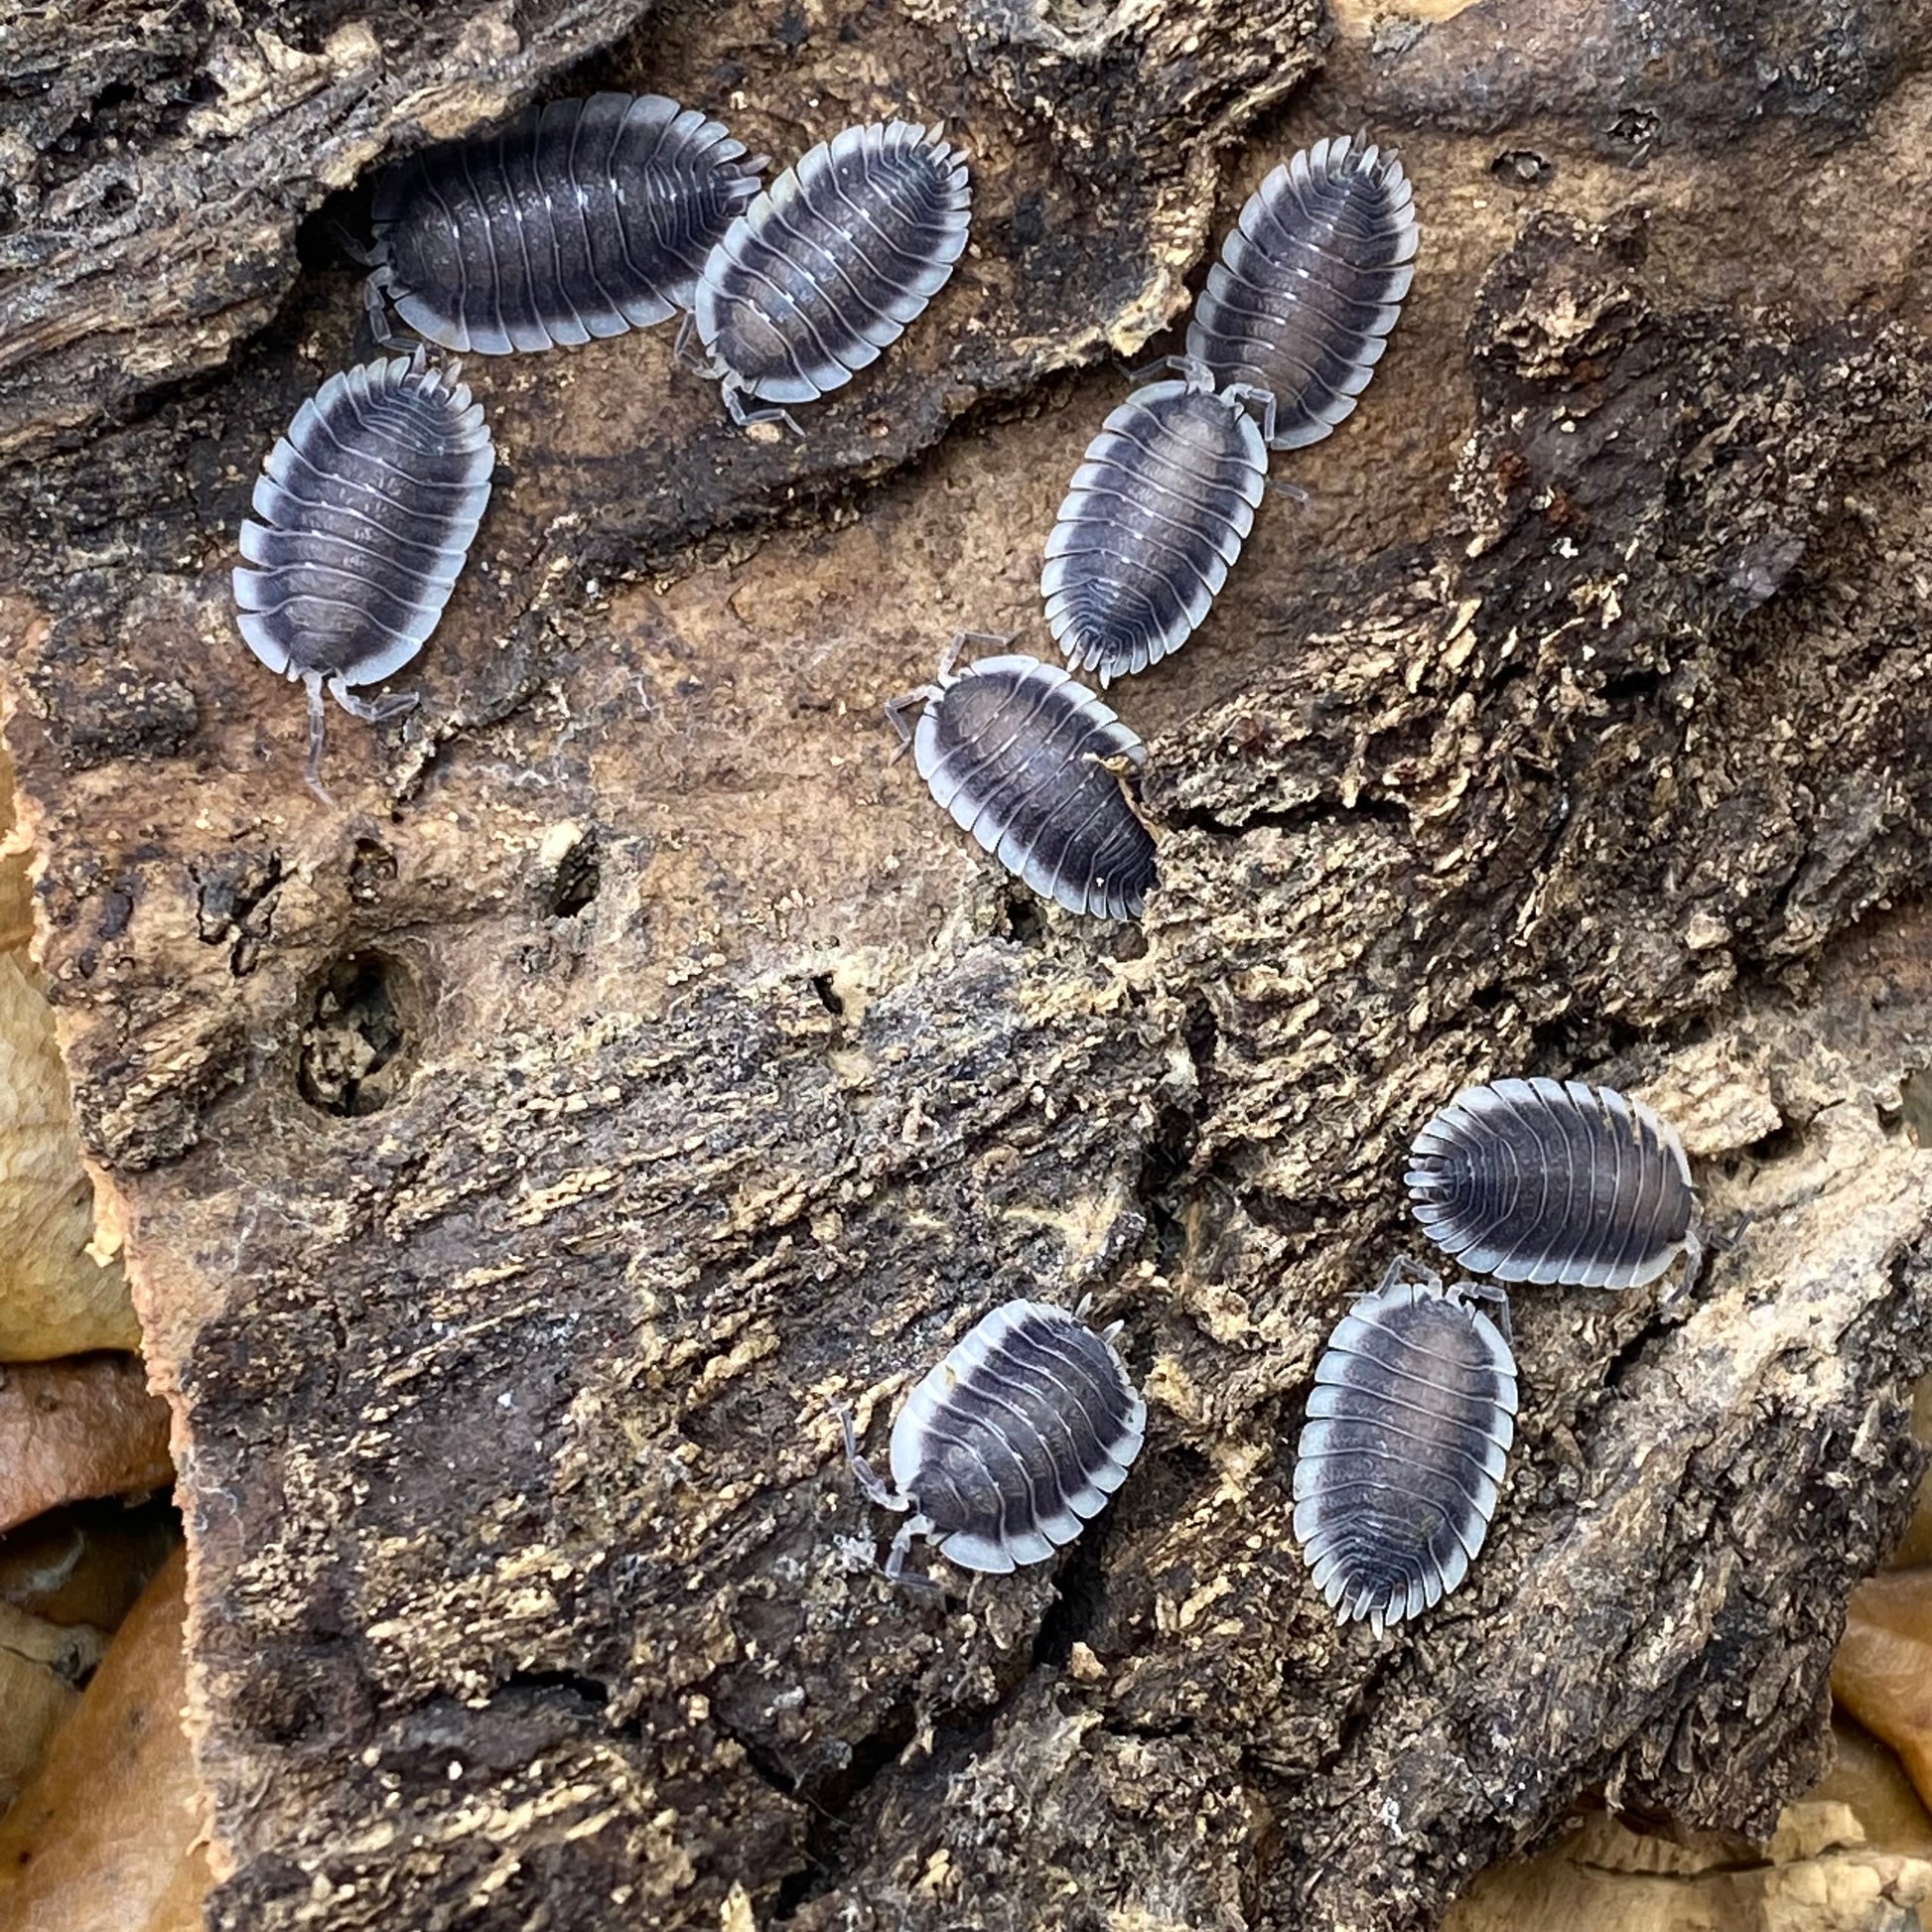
{"points": [[578, 876], [354, 1055]]}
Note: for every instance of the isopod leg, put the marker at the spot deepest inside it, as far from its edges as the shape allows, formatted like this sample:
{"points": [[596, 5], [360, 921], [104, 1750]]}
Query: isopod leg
{"points": [[681, 347], [961, 639], [866, 1478], [1405, 1271], [318, 727], [1693, 1263], [1497, 1297], [1191, 367], [923, 1589], [351, 247], [751, 418], [913, 1526], [897, 708], [1699, 1246], [375, 300], [1264, 400], [374, 711]]}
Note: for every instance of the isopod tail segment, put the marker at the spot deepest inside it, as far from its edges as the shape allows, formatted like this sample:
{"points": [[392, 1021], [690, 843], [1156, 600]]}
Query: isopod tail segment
{"points": [[877, 1490], [897, 708]]}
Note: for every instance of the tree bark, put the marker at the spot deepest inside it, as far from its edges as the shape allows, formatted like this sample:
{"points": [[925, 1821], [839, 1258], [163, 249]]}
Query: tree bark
{"points": [[520, 1162]]}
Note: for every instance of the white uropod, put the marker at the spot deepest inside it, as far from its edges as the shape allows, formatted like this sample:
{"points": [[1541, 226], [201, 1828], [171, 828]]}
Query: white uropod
{"points": [[1012, 1442]]}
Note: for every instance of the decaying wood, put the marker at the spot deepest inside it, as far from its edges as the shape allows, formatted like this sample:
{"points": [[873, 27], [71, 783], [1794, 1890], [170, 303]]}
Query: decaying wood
{"points": [[522, 1161], [159, 164]]}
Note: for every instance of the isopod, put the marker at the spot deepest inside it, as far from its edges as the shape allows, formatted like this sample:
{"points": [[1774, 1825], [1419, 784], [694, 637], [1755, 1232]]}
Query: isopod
{"points": [[1154, 520], [1011, 1443], [1402, 1457], [830, 264], [1552, 1180], [1028, 763], [580, 218], [368, 506], [1309, 283]]}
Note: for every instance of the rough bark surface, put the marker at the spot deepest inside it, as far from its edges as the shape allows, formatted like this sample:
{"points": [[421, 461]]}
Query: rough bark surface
{"points": [[522, 1161]]}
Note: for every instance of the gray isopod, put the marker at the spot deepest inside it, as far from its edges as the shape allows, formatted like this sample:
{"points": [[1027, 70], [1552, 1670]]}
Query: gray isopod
{"points": [[830, 264], [1402, 1457], [1013, 1443], [1028, 763], [580, 218], [1309, 283], [1552, 1180], [1154, 520], [367, 507]]}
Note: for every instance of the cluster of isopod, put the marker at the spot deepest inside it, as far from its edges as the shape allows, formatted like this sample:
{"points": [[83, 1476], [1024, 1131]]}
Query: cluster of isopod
{"points": [[582, 218], [1294, 317], [586, 219], [1016, 1440], [1401, 1460]]}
